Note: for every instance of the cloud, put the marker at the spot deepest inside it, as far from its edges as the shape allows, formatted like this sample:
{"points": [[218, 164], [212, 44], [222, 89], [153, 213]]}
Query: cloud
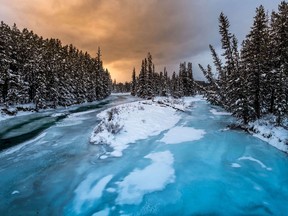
{"points": [[125, 29]]}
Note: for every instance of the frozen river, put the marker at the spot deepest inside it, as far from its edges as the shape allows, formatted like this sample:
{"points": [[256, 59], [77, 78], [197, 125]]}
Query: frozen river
{"points": [[55, 171]]}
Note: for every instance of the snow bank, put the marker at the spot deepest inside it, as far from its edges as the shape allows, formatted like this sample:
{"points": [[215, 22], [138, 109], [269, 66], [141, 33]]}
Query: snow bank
{"points": [[182, 134], [136, 185], [130, 122], [266, 130]]}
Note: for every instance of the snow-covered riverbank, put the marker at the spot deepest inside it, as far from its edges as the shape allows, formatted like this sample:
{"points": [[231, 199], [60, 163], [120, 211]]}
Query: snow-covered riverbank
{"points": [[125, 124], [130, 122], [266, 130]]}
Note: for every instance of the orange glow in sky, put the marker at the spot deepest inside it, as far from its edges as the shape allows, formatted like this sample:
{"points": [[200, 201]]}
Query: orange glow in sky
{"points": [[126, 30]]}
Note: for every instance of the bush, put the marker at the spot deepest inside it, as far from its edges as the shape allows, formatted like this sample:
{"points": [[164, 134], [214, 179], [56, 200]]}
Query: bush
{"points": [[111, 113], [113, 128]]}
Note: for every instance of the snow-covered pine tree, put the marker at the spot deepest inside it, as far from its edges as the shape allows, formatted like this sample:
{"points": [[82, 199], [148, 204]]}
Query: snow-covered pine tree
{"points": [[174, 85], [5, 34], [212, 91], [279, 72], [166, 83], [133, 83], [256, 61], [234, 82], [149, 81], [180, 80], [226, 39], [190, 80], [141, 87], [241, 108]]}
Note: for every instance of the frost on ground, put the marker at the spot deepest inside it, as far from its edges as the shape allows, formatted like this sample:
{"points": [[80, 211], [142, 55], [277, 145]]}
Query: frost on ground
{"points": [[130, 122], [266, 130], [135, 185]]}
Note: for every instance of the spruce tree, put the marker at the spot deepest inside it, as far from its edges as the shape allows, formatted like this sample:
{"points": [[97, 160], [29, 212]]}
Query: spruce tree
{"points": [[257, 61], [279, 72], [133, 84]]}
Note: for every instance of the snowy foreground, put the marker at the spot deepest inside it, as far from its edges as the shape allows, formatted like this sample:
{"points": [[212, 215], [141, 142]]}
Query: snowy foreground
{"points": [[130, 122], [125, 124]]}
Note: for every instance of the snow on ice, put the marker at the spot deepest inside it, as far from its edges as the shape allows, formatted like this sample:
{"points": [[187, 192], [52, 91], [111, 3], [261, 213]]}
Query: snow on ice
{"points": [[187, 134], [104, 212], [256, 161], [135, 185], [215, 112], [87, 191]]}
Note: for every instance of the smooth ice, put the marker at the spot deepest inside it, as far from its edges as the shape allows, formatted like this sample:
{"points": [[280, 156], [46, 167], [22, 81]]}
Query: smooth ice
{"points": [[209, 171]]}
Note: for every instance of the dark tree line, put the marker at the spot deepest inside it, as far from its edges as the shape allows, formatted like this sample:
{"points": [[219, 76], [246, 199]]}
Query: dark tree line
{"points": [[121, 87], [43, 72], [252, 82], [150, 83]]}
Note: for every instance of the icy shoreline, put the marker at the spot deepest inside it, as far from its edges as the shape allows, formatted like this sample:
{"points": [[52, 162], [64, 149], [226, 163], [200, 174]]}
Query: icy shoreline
{"points": [[266, 130], [125, 124]]}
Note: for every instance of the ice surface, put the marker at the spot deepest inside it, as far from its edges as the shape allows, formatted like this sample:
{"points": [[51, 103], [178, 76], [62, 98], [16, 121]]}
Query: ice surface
{"points": [[228, 172], [143, 181], [182, 134]]}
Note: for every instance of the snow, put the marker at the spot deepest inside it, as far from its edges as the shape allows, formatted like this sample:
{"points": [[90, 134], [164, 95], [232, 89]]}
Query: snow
{"points": [[87, 192], [182, 134], [104, 212], [19, 113], [152, 178], [133, 121], [266, 130], [235, 165], [255, 160], [215, 112], [15, 192], [111, 190]]}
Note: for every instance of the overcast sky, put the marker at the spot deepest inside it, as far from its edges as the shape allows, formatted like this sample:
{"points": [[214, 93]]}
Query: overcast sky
{"points": [[172, 30]]}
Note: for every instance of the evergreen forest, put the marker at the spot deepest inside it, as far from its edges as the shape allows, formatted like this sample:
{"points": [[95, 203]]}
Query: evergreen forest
{"points": [[46, 73]]}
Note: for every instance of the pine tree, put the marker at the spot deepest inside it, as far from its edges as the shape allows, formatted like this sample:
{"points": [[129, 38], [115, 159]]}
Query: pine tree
{"points": [[149, 81], [141, 89], [279, 72], [133, 84], [257, 61], [190, 80], [165, 90]]}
